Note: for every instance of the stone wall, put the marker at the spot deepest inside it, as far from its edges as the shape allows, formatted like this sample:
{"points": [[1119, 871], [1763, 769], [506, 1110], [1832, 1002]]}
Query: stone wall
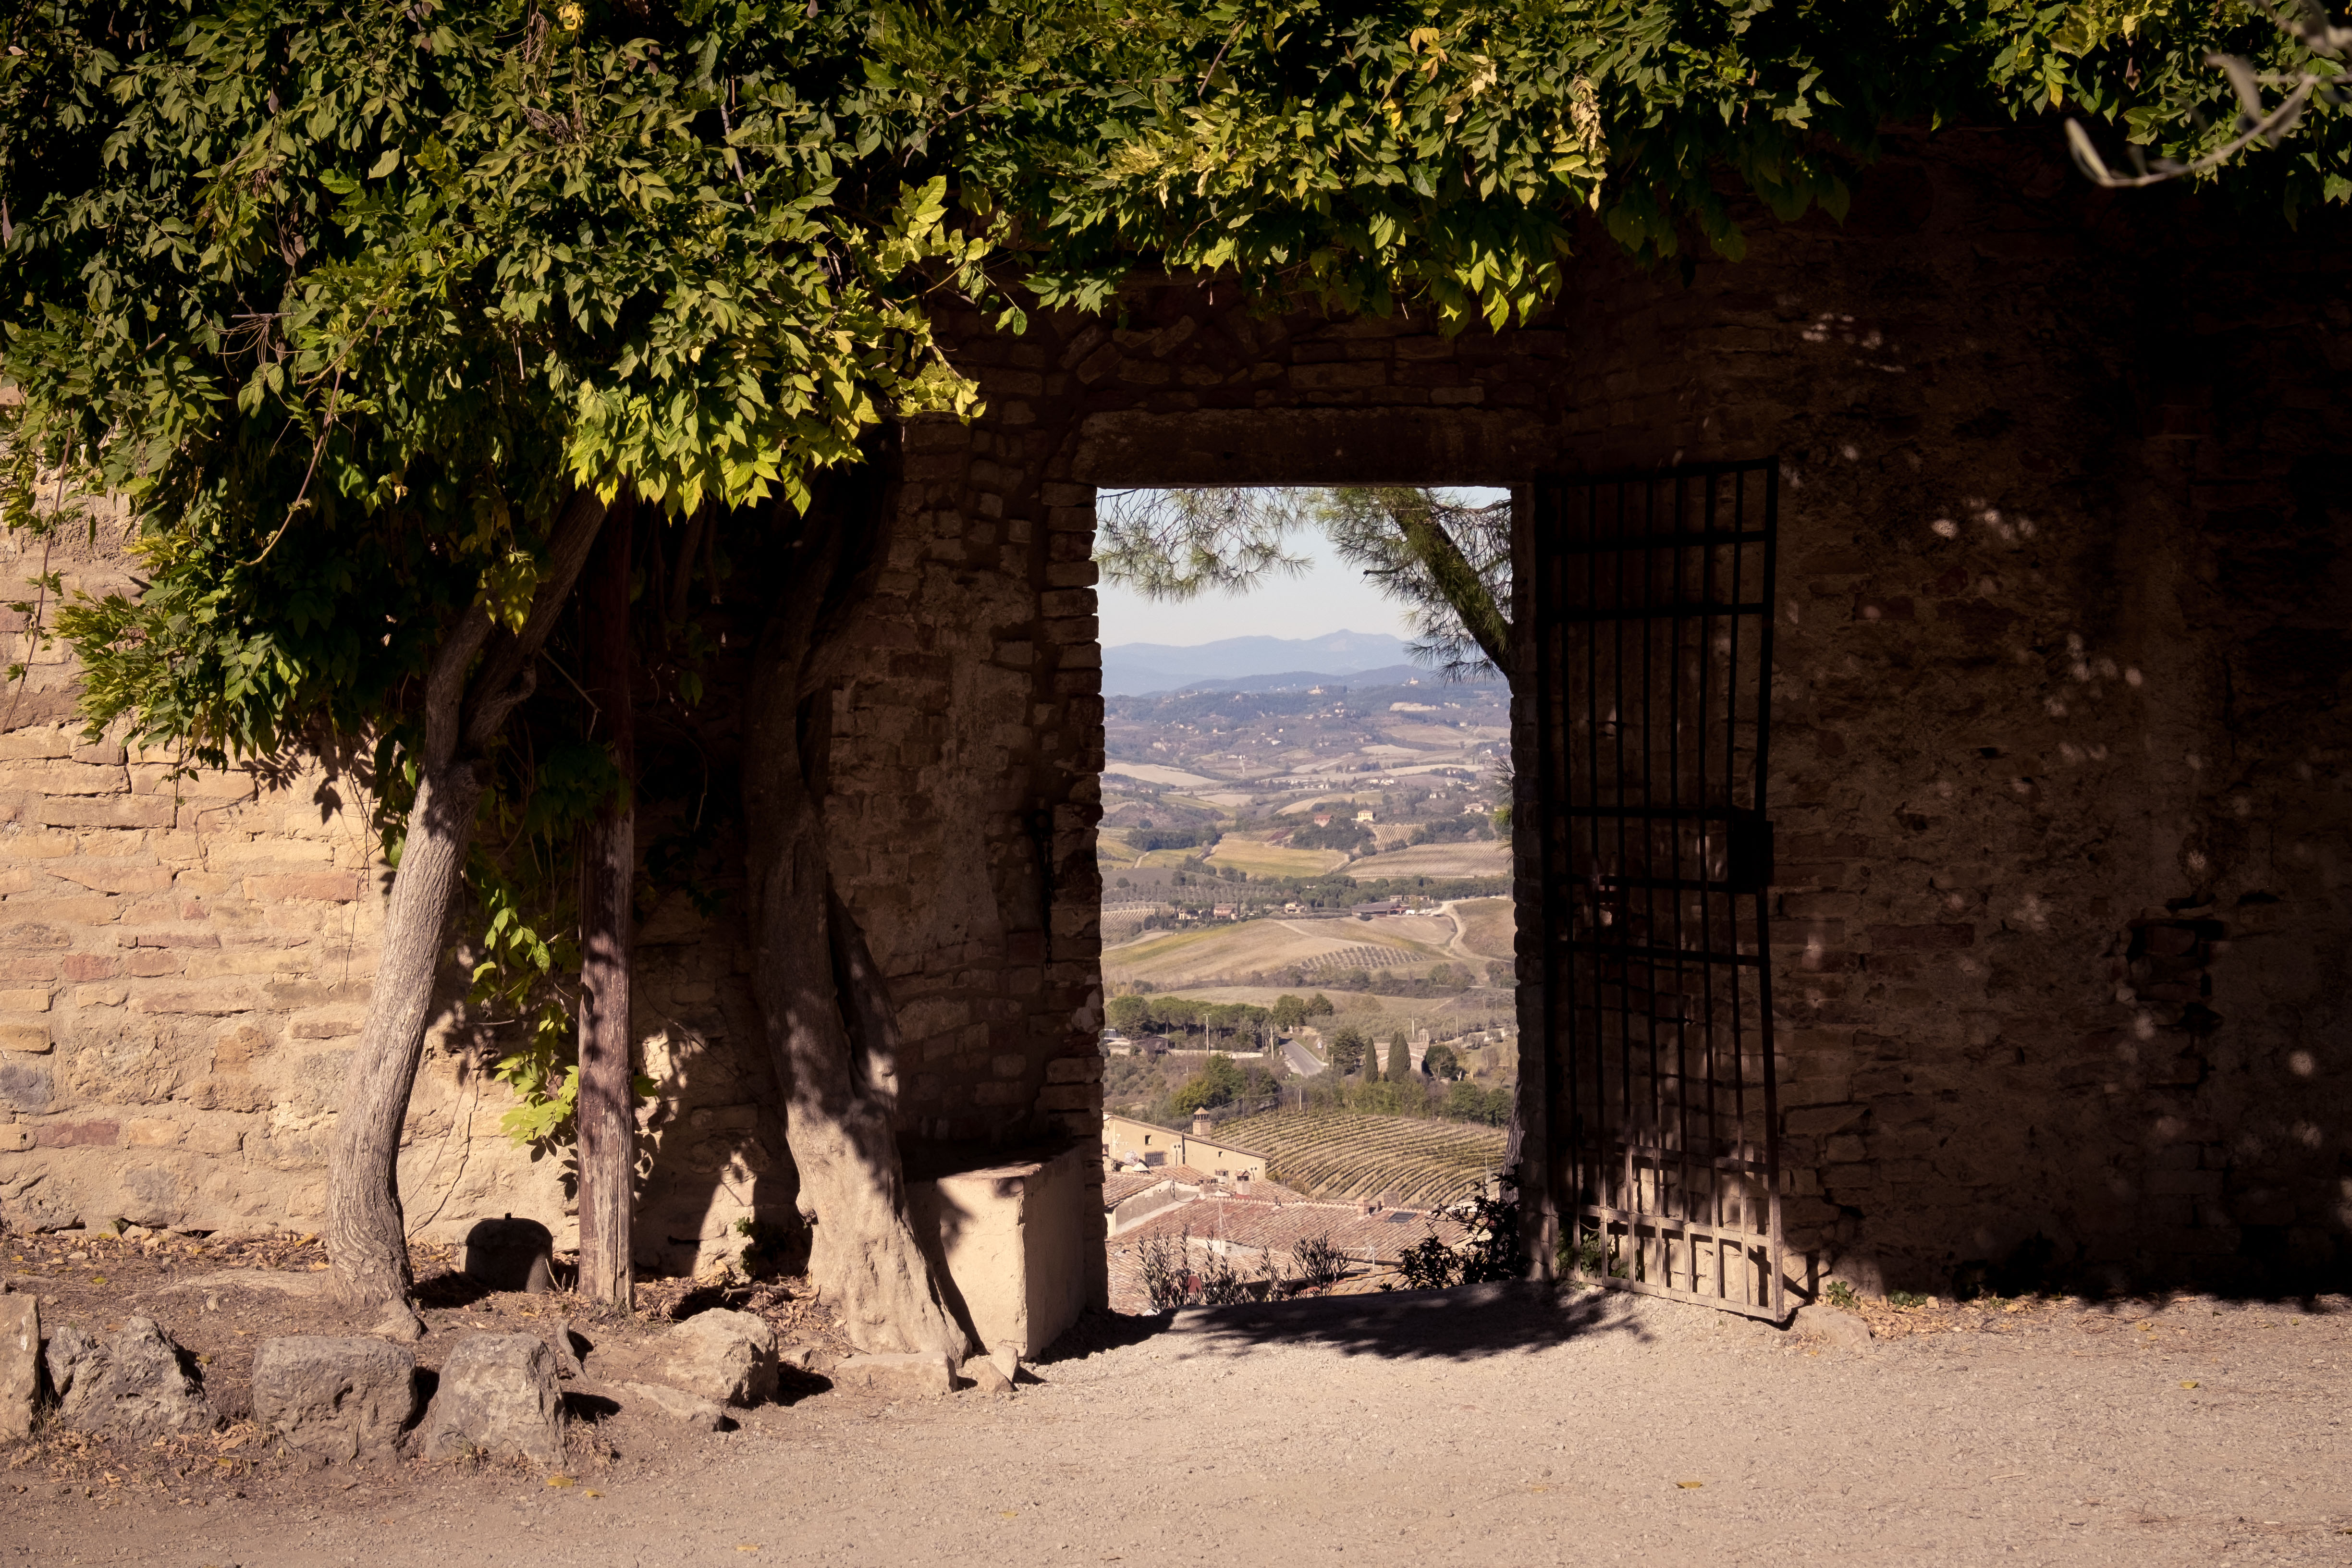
{"points": [[2061, 736]]}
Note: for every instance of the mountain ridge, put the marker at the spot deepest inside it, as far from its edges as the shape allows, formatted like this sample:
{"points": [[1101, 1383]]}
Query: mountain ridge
{"points": [[1136, 669]]}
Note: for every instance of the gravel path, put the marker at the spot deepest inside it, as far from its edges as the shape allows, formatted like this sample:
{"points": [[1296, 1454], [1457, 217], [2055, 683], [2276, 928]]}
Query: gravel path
{"points": [[1477, 1428]]}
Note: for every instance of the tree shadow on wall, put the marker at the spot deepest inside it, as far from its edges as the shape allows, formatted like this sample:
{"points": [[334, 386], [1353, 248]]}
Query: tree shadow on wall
{"points": [[716, 1141], [1468, 1323]]}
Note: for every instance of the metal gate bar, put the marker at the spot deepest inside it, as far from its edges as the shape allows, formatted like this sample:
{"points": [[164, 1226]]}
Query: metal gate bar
{"points": [[1653, 631]]}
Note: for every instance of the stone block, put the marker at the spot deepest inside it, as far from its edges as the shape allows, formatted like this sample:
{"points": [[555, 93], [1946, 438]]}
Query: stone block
{"points": [[324, 887], [671, 1404], [39, 848], [912, 1375], [112, 875], [20, 1363], [1828, 1324], [137, 1384], [720, 1355], [335, 1398], [1929, 938], [510, 1253], [106, 811], [209, 1001], [32, 1038], [149, 1133], [499, 1399], [1824, 1119], [77, 1134]]}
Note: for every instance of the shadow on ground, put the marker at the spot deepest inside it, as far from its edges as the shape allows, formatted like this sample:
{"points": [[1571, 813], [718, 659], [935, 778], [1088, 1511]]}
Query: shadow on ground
{"points": [[1464, 1323]]}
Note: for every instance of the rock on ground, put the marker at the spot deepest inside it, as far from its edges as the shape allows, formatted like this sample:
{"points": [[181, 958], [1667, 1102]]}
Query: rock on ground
{"points": [[498, 1397], [136, 1383], [1830, 1326], [335, 1398], [673, 1403], [724, 1356], [20, 1363], [70, 1353], [899, 1375]]}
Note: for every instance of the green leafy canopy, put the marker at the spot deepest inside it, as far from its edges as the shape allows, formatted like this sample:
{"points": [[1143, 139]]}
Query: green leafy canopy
{"points": [[344, 297]]}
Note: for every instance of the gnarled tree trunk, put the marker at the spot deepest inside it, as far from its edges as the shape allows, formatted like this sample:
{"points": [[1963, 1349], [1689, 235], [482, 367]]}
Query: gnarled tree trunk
{"points": [[465, 708], [828, 1017], [608, 863]]}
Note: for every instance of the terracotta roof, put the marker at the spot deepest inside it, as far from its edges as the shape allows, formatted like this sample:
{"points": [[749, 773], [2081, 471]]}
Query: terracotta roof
{"points": [[1121, 1185], [1255, 1224]]}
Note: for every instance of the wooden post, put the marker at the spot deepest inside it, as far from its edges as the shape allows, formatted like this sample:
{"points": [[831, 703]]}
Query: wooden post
{"points": [[607, 1113]]}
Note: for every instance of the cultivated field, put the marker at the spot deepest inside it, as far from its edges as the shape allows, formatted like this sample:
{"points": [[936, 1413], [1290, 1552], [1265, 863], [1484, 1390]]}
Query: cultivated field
{"points": [[1480, 857], [1442, 1016], [1489, 927], [1344, 1154], [1190, 957], [1263, 860], [1152, 773]]}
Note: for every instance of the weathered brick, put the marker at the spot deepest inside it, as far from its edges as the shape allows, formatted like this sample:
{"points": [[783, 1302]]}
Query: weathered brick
{"points": [[1895, 938], [150, 1133], [33, 999], [111, 875], [68, 778], [41, 849], [105, 811], [31, 1038], [76, 1134], [216, 1001], [329, 886]]}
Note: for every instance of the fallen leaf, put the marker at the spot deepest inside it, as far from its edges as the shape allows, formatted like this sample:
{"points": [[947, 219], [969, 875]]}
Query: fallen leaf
{"points": [[746, 1546], [98, 1279], [1690, 1485], [1008, 1513], [560, 1481], [2187, 1385], [591, 1494]]}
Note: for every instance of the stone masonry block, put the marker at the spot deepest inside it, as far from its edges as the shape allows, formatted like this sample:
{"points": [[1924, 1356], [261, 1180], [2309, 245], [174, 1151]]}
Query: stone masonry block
{"points": [[1895, 938], [107, 812], [109, 876], [1824, 1119], [325, 887], [216, 1001]]}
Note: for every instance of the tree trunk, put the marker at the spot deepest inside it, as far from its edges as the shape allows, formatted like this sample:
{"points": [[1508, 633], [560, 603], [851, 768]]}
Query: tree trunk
{"points": [[366, 1234], [828, 1017], [607, 1113]]}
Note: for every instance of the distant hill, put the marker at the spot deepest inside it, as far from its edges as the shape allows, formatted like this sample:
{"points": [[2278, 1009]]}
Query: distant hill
{"points": [[1132, 670], [1306, 680]]}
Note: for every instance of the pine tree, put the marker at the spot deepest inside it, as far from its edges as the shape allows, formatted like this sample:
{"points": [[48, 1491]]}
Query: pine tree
{"points": [[1399, 1058]]}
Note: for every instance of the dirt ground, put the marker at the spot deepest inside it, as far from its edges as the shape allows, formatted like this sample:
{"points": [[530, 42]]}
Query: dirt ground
{"points": [[1483, 1425]]}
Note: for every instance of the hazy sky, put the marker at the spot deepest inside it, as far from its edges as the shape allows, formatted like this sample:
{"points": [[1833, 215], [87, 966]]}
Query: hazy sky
{"points": [[1330, 597]]}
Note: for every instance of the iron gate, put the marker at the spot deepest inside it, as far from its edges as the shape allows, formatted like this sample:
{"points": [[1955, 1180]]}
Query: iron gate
{"points": [[1654, 618]]}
